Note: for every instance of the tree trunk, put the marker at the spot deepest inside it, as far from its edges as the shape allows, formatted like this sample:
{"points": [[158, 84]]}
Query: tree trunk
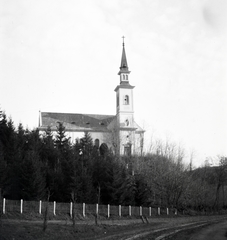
{"points": [[216, 202], [46, 213]]}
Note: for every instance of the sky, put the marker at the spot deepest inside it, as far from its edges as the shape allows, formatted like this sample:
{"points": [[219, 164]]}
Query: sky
{"points": [[64, 56]]}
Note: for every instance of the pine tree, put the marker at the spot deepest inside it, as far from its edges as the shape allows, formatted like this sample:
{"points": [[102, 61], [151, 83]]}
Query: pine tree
{"points": [[142, 196], [86, 145], [32, 177], [102, 178], [49, 152], [12, 183], [62, 142], [3, 129], [119, 175], [3, 167]]}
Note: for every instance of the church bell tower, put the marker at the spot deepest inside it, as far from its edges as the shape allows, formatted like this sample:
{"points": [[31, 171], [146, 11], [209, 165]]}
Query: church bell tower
{"points": [[124, 107]]}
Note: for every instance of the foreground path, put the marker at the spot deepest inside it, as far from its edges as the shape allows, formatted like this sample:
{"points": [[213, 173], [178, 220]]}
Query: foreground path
{"points": [[213, 232], [177, 228]]}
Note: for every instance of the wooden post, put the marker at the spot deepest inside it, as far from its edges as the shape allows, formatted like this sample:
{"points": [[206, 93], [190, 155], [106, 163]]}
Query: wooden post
{"points": [[167, 211], [4, 206], [149, 211], [84, 210], [158, 210], [130, 210], [97, 209], [97, 214], [119, 210], [141, 211], [54, 208], [108, 210], [21, 206], [71, 210], [40, 207]]}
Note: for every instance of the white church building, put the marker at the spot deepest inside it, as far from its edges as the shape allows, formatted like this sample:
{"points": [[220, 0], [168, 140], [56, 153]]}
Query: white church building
{"points": [[120, 132]]}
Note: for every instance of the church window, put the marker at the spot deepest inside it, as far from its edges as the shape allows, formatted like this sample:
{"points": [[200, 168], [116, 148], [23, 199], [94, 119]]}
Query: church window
{"points": [[103, 149], [127, 149], [126, 100], [123, 77], [127, 124], [126, 77], [97, 142]]}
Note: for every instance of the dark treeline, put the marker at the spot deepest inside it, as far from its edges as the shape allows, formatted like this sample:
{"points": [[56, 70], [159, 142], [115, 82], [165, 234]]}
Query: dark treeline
{"points": [[35, 166]]}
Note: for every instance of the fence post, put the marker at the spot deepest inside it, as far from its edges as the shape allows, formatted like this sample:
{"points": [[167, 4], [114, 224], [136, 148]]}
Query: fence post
{"points": [[150, 211], [130, 210], [54, 208], [119, 210], [71, 210], [158, 210], [167, 211], [21, 206], [4, 206], [108, 210], [97, 209], [141, 211], [40, 207], [84, 210], [175, 211]]}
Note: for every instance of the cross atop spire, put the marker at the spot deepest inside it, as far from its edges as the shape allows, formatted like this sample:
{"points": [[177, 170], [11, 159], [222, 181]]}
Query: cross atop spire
{"points": [[123, 40]]}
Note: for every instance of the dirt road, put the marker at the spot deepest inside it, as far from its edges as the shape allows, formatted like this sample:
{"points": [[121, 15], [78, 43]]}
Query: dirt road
{"points": [[213, 232], [114, 229]]}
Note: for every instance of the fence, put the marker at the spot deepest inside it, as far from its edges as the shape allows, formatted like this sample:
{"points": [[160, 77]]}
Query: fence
{"points": [[83, 210]]}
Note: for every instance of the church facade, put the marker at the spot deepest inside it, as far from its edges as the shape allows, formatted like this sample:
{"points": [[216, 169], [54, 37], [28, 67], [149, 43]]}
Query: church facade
{"points": [[120, 132]]}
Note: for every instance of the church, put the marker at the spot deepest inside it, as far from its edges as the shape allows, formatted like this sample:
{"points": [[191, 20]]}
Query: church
{"points": [[120, 132]]}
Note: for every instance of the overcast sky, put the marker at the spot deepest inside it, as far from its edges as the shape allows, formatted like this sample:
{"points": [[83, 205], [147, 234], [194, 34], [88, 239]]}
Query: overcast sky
{"points": [[64, 56]]}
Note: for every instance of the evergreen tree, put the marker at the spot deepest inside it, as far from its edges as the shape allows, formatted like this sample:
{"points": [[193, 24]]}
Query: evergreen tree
{"points": [[12, 183], [102, 178], [128, 190], [62, 142], [119, 175], [3, 167], [84, 152], [142, 196], [48, 151], [86, 147], [58, 162], [32, 177], [3, 129]]}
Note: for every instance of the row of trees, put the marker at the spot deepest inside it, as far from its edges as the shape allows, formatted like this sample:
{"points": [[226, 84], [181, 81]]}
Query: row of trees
{"points": [[36, 166]]}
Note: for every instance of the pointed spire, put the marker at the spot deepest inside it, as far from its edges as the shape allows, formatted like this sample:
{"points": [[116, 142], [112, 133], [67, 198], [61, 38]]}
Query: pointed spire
{"points": [[124, 64]]}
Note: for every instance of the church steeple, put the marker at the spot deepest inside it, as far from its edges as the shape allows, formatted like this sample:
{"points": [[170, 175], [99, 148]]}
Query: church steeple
{"points": [[124, 72]]}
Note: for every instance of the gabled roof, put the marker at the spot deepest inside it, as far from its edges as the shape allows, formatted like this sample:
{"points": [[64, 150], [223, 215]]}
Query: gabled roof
{"points": [[76, 121]]}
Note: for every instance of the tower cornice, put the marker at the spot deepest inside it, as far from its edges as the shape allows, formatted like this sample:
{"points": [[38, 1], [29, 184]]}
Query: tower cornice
{"points": [[124, 85]]}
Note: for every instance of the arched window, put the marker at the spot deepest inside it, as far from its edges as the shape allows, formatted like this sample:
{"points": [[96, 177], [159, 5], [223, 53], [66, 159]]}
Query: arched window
{"points": [[127, 149], [97, 142], [126, 100], [126, 77], [103, 149]]}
